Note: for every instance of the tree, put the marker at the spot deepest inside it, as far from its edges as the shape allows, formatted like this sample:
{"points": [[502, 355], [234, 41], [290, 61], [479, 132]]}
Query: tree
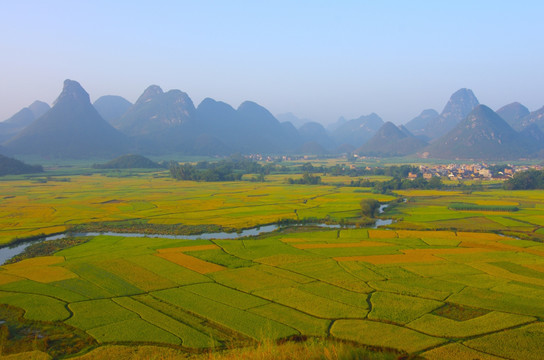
{"points": [[435, 183], [369, 207], [526, 180]]}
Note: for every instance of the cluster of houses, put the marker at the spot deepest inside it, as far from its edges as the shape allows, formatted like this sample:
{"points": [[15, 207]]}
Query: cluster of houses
{"points": [[482, 171], [471, 171]]}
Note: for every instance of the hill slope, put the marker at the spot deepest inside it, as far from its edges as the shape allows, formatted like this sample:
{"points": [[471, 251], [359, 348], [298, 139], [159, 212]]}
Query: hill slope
{"points": [[535, 117], [111, 107], [357, 131], [9, 166], [391, 141], [315, 132], [512, 114], [156, 112], [22, 119], [418, 124], [72, 128], [458, 107], [263, 132], [129, 161], [482, 135]]}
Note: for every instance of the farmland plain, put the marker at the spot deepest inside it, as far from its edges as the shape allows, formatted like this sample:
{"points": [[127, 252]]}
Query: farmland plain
{"points": [[438, 283]]}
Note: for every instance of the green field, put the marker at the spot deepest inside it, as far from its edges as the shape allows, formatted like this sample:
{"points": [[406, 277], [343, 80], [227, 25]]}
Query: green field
{"points": [[439, 283]]}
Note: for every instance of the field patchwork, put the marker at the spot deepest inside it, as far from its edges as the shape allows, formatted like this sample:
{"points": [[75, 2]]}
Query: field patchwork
{"points": [[440, 283]]}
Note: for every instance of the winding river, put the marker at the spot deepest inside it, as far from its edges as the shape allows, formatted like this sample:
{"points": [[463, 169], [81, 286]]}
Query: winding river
{"points": [[8, 252]]}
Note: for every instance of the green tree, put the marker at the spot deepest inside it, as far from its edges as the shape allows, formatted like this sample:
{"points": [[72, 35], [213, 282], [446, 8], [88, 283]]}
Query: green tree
{"points": [[369, 207]]}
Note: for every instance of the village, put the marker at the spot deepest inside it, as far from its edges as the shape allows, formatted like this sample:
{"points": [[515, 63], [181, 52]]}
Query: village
{"points": [[483, 171]]}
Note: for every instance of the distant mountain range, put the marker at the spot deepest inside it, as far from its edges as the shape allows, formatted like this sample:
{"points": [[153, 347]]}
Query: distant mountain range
{"points": [[356, 132], [168, 122], [391, 140], [418, 125], [72, 128], [483, 134], [430, 126], [22, 119], [111, 107], [293, 119]]}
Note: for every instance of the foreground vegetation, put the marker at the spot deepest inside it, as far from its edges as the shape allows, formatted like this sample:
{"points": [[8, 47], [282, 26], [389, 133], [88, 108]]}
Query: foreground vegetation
{"points": [[460, 274], [414, 291]]}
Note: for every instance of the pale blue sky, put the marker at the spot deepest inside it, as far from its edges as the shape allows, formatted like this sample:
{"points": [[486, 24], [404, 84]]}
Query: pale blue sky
{"points": [[318, 59]]}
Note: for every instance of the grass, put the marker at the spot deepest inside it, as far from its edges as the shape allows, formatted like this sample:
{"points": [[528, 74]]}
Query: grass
{"points": [[34, 339], [439, 282], [226, 295], [35, 208], [300, 321], [480, 207], [189, 336], [96, 313], [313, 304], [247, 323], [459, 312], [336, 293], [493, 300], [384, 335], [221, 258], [33, 287], [104, 279], [251, 279], [266, 350], [191, 262], [399, 309], [168, 270], [444, 327], [217, 334], [136, 275], [329, 271], [132, 330], [38, 269], [36, 307], [456, 351], [521, 343]]}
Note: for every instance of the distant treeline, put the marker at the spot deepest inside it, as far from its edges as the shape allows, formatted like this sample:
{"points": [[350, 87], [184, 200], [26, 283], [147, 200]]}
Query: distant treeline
{"points": [[224, 170], [307, 179], [384, 187], [338, 170], [526, 180]]}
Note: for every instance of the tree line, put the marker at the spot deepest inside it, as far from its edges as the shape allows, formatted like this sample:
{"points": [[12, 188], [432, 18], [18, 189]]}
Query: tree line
{"points": [[225, 170], [526, 180]]}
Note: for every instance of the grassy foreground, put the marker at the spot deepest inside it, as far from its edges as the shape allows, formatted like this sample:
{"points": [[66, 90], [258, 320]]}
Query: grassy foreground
{"points": [[311, 350], [414, 291]]}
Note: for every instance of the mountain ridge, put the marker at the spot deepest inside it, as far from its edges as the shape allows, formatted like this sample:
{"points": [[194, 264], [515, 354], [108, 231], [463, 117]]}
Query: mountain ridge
{"points": [[483, 134], [72, 128]]}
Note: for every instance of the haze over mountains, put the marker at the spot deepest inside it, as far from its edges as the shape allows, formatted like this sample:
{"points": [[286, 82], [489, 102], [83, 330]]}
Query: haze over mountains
{"points": [[71, 128], [391, 140], [169, 123], [22, 119], [483, 134]]}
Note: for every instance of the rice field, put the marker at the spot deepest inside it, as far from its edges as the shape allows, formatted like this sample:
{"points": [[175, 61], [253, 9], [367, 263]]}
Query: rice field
{"points": [[28, 208], [439, 283]]}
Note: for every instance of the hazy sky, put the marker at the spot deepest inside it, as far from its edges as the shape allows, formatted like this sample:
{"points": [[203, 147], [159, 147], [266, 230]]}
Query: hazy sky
{"points": [[317, 59]]}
